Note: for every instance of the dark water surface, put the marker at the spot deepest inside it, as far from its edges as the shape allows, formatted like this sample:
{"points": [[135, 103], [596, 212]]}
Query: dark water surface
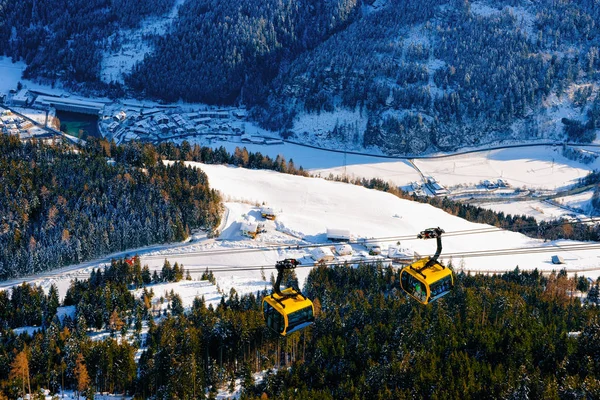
{"points": [[77, 124]]}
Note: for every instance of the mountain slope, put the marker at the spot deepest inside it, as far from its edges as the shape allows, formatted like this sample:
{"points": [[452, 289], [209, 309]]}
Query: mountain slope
{"points": [[420, 76], [460, 75]]}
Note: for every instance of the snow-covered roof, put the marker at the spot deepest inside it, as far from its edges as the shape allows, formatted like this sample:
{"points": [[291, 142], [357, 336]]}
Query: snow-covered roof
{"points": [[343, 249], [21, 96], [322, 254], [400, 253], [69, 102], [268, 211], [248, 226], [338, 234]]}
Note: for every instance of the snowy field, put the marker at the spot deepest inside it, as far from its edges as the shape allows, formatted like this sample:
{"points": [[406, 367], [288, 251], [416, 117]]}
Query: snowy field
{"points": [[530, 167], [10, 74]]}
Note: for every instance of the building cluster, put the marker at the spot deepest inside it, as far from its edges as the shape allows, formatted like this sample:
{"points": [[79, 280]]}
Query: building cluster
{"points": [[500, 183], [12, 124], [158, 124]]}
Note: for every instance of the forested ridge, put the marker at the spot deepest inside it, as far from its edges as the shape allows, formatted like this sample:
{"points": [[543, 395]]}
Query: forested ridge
{"points": [[62, 39], [424, 76], [507, 336], [62, 205]]}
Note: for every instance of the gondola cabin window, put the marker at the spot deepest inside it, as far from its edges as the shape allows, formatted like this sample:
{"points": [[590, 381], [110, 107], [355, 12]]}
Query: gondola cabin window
{"points": [[273, 319], [415, 287], [441, 287], [300, 317]]}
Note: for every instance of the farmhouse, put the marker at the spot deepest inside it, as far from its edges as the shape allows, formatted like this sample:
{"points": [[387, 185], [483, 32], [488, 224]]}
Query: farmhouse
{"points": [[400, 254], [435, 187], [322, 254], [343, 249], [268, 213], [249, 229]]}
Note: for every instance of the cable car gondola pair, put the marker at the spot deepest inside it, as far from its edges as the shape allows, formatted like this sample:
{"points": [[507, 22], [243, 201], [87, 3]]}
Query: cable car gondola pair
{"points": [[286, 311], [427, 280]]}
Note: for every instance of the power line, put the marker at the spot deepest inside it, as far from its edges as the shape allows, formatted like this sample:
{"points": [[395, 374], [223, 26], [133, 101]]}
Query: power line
{"points": [[279, 247], [471, 254]]}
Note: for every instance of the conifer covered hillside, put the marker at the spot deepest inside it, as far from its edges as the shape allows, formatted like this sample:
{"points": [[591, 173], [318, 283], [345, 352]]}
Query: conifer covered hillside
{"points": [[61, 205], [419, 75]]}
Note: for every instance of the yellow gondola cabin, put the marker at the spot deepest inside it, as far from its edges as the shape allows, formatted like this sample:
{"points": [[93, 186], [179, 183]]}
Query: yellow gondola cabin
{"points": [[427, 280], [428, 285], [287, 311], [286, 315]]}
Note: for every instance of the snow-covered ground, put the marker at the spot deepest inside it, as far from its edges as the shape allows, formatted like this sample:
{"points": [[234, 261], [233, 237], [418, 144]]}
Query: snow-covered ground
{"points": [[545, 210], [10, 74], [530, 167]]}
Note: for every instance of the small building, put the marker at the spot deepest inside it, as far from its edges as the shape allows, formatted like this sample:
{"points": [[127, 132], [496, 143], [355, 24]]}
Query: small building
{"points": [[240, 114], [178, 120], [120, 116], [343, 249], [161, 119], [502, 183], [135, 116], [143, 124], [436, 188], [489, 184], [338, 235], [21, 98], [372, 246], [401, 255], [249, 229], [247, 138], [322, 254], [113, 126], [140, 131], [202, 120], [557, 260], [214, 114], [268, 213]]}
